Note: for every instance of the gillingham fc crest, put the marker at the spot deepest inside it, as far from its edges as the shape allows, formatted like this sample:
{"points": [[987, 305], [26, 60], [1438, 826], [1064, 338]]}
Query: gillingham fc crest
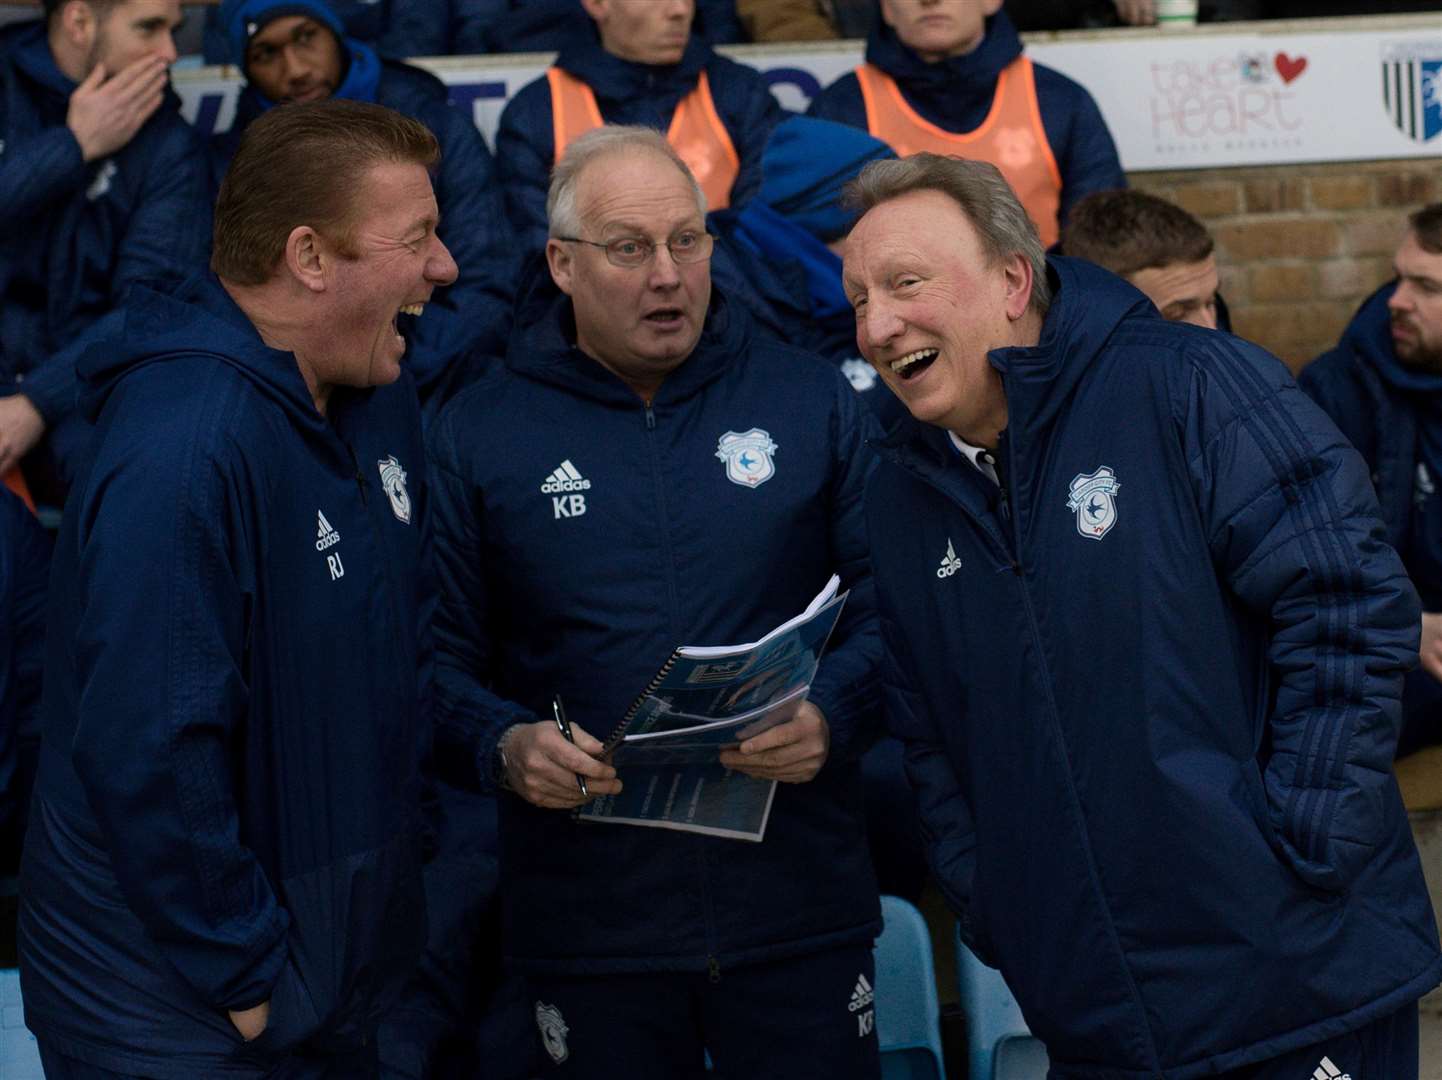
{"points": [[553, 1031], [393, 483], [1093, 500], [747, 456]]}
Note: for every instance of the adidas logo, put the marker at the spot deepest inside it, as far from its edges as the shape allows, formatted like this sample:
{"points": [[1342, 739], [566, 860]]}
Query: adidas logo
{"points": [[565, 478], [862, 996], [950, 564], [1328, 1071], [325, 534]]}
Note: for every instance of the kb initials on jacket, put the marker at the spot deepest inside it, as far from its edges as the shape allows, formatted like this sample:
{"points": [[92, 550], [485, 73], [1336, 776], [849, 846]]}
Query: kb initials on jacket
{"points": [[566, 478]]}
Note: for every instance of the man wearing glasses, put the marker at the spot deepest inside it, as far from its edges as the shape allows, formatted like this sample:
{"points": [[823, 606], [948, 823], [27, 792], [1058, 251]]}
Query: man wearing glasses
{"points": [[591, 515]]}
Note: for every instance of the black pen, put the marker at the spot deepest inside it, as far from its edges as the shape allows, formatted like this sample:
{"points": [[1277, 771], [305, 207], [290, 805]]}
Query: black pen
{"points": [[559, 712]]}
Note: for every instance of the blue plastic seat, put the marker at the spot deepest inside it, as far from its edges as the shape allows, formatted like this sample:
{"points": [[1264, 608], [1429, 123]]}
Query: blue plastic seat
{"points": [[908, 1014], [1000, 1045], [19, 1056]]}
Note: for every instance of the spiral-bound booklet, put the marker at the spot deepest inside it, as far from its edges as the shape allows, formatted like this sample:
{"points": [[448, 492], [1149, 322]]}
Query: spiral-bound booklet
{"points": [[703, 700]]}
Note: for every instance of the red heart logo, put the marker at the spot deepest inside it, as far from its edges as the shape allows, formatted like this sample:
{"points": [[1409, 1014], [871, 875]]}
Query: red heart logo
{"points": [[1288, 68]]}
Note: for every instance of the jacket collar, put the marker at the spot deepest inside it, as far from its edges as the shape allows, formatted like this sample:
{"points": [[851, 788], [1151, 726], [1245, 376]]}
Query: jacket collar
{"points": [[614, 79], [543, 347], [944, 84]]}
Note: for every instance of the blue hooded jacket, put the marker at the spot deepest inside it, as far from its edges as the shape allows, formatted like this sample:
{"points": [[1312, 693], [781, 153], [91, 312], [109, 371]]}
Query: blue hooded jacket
{"points": [[771, 254], [1150, 698], [627, 93], [77, 236], [1387, 412], [956, 95], [235, 704], [668, 551], [471, 315]]}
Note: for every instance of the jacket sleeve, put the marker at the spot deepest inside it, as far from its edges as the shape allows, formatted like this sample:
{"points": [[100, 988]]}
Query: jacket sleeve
{"points": [[166, 240], [525, 145], [1293, 529], [1086, 154], [470, 717], [749, 120], [36, 172], [153, 750], [474, 229], [845, 688]]}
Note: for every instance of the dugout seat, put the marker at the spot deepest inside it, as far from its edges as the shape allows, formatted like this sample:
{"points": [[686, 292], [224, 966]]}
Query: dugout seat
{"points": [[19, 1056], [908, 1014], [1000, 1046]]}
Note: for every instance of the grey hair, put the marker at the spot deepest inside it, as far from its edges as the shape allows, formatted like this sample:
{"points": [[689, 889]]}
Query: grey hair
{"points": [[561, 213], [983, 195]]}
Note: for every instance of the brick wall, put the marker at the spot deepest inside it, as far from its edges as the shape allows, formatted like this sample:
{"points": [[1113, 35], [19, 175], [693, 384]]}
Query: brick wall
{"points": [[1300, 246]]}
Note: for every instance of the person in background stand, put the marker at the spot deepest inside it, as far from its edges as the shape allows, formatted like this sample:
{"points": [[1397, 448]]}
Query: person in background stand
{"points": [[950, 77], [1382, 384], [102, 186], [638, 63], [1155, 245]]}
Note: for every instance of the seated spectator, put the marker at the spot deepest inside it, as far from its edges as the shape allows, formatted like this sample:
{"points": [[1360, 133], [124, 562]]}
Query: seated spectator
{"points": [[298, 52], [638, 64], [103, 185], [949, 76], [1382, 385], [1155, 245], [24, 575]]}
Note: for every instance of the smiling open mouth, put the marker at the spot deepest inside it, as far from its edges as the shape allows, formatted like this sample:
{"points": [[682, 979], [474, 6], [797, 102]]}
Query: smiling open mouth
{"points": [[914, 363], [664, 316]]}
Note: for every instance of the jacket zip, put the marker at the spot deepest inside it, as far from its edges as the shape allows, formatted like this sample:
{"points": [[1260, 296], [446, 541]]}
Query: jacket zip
{"points": [[673, 604], [1035, 631]]}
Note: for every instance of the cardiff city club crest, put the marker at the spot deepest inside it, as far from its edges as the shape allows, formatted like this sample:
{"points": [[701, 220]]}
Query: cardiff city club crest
{"points": [[747, 457], [1093, 499], [553, 1031], [393, 483], [1412, 88]]}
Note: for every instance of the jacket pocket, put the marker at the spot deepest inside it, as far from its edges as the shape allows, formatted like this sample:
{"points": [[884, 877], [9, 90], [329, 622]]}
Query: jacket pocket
{"points": [[292, 1019]]}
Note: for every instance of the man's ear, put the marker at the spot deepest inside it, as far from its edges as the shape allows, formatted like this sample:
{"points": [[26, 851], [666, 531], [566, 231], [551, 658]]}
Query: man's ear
{"points": [[1018, 285], [79, 24], [990, 7], [595, 8], [306, 258], [562, 262]]}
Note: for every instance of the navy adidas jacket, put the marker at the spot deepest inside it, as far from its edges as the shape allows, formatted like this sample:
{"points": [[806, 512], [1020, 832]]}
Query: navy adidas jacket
{"points": [[956, 95], [474, 311], [627, 93], [1150, 714], [542, 597], [236, 699], [76, 237], [1369, 395]]}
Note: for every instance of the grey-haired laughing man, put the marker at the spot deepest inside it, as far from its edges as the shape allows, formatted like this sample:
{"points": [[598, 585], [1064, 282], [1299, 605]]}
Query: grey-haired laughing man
{"points": [[1145, 646]]}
